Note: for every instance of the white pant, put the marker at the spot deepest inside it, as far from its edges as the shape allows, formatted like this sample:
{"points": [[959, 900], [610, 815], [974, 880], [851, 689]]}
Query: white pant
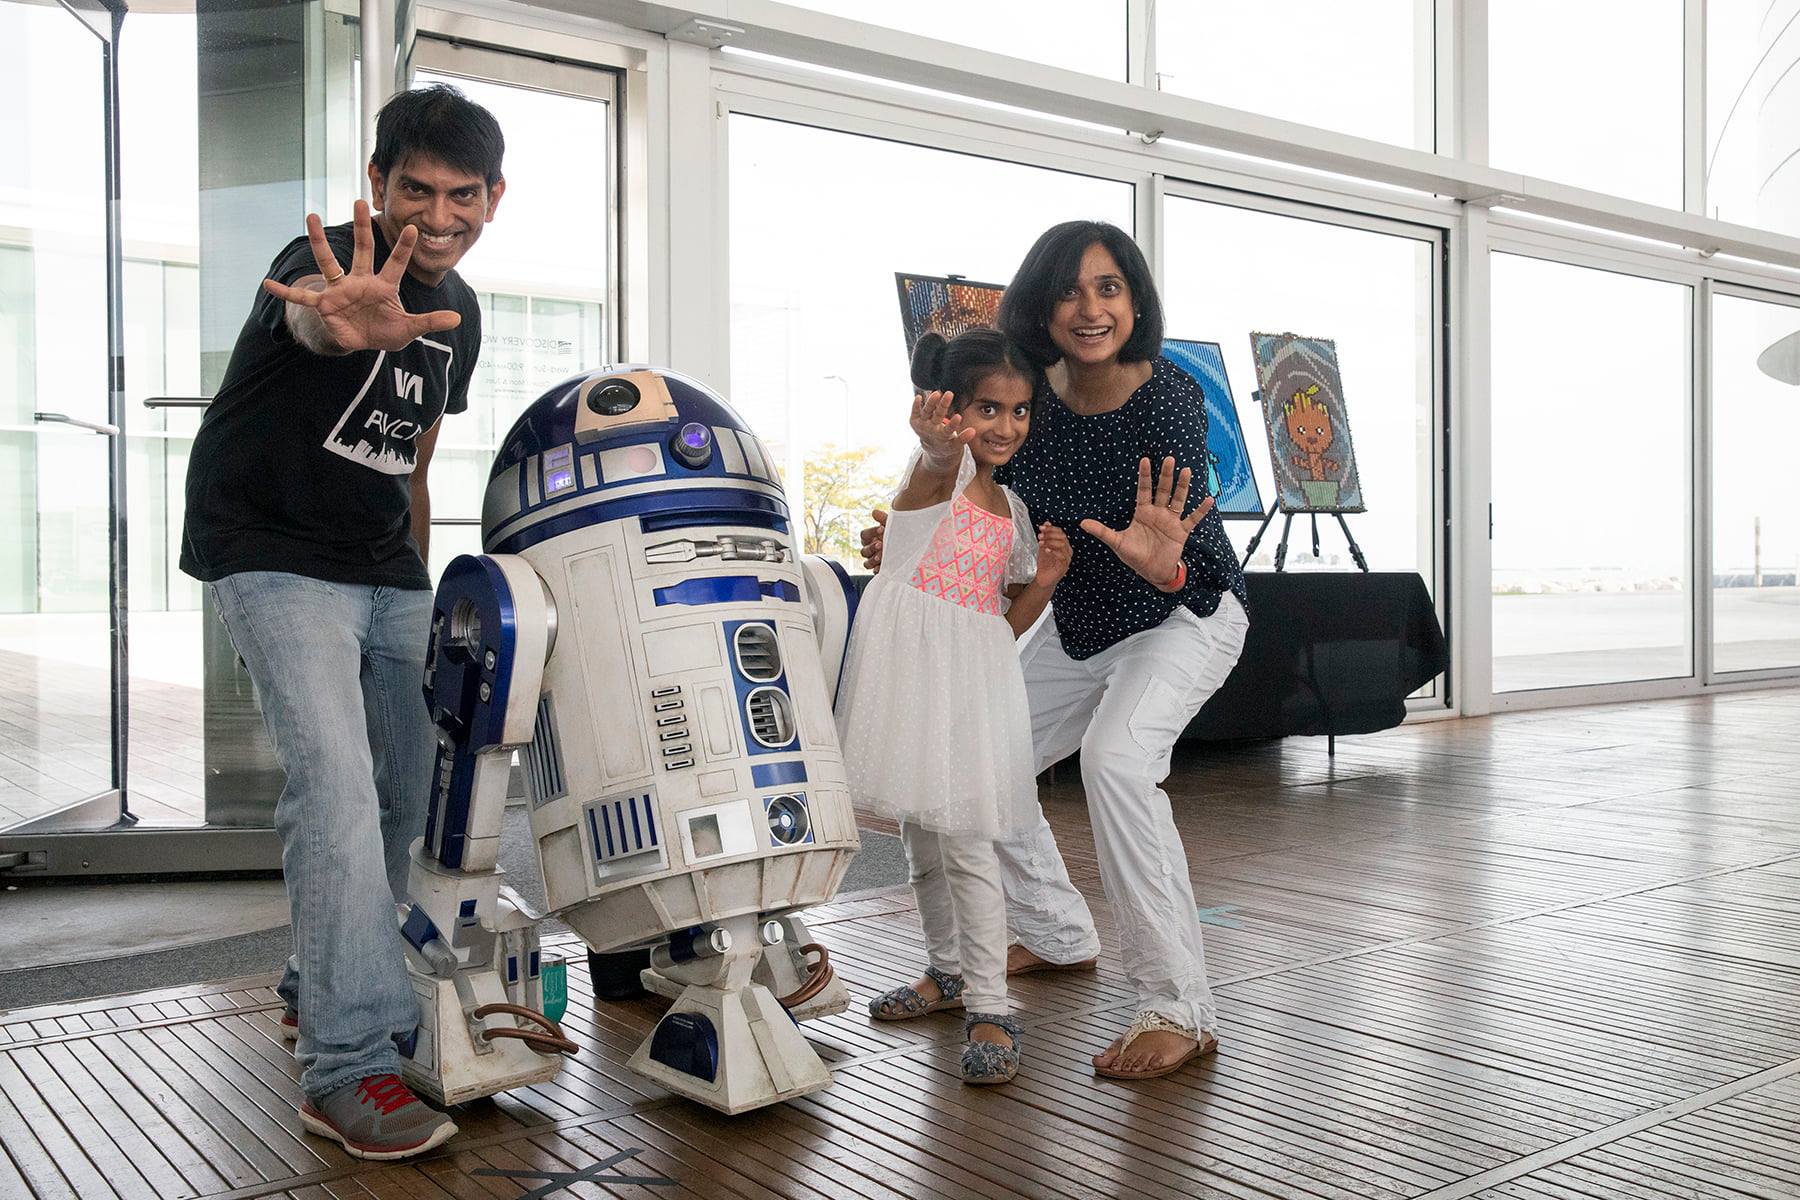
{"points": [[1123, 709], [956, 879]]}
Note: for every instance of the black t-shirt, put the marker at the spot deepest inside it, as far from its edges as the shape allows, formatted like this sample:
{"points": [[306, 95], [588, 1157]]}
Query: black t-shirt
{"points": [[1074, 466], [303, 462]]}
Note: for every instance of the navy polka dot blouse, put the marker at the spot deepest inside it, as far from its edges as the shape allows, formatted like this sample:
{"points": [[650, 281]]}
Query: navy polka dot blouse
{"points": [[1075, 466]]}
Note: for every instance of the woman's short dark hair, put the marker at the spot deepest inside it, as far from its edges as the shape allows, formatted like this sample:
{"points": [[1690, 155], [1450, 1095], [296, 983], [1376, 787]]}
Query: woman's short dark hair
{"points": [[438, 122], [1051, 268], [959, 365]]}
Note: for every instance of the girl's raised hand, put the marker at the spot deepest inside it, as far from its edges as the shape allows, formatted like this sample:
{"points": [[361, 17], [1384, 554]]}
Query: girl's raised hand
{"points": [[1151, 545], [941, 435], [1054, 554]]}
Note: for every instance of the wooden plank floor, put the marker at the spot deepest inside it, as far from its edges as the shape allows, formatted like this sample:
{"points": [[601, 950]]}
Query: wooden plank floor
{"points": [[1541, 957]]}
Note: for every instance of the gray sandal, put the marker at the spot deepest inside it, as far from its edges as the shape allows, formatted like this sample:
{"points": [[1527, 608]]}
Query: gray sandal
{"points": [[985, 1063], [905, 1003]]}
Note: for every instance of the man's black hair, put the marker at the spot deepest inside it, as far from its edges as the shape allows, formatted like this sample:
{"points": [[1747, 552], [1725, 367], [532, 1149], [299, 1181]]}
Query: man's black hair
{"points": [[1051, 268], [438, 121]]}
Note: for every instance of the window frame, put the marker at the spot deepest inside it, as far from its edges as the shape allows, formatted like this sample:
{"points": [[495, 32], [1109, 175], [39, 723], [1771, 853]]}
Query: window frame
{"points": [[1703, 418], [1437, 236]]}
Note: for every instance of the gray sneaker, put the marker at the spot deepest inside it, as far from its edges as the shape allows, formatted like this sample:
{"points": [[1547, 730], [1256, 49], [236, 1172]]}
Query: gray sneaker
{"points": [[378, 1118]]}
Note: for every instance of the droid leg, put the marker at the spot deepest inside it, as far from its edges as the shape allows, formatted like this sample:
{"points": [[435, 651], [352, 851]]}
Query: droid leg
{"points": [[726, 1042], [795, 969], [472, 943]]}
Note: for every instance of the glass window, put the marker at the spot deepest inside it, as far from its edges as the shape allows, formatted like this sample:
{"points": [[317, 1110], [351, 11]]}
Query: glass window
{"points": [[1087, 37], [1591, 482], [1753, 115], [528, 345], [820, 222], [1233, 271], [551, 230], [1363, 69], [1756, 530], [18, 439], [1589, 94]]}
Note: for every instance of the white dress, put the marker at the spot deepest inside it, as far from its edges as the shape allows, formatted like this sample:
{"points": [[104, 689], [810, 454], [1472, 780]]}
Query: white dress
{"points": [[932, 713]]}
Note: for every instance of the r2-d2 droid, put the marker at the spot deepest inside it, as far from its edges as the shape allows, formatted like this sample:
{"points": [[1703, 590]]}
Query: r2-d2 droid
{"points": [[643, 633]]}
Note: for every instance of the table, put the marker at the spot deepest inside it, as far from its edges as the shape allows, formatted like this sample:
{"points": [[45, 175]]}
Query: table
{"points": [[1328, 653]]}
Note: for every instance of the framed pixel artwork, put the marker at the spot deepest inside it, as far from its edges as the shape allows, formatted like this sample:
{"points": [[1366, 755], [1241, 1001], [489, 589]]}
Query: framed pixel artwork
{"points": [[1309, 435], [1229, 479], [946, 305]]}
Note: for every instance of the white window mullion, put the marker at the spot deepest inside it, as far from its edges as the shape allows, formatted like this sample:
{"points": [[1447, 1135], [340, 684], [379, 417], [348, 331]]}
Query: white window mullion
{"points": [[1140, 43], [1700, 496], [1472, 467], [1693, 107]]}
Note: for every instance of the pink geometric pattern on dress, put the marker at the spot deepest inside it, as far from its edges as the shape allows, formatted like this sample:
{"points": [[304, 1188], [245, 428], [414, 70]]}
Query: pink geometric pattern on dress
{"points": [[966, 562]]}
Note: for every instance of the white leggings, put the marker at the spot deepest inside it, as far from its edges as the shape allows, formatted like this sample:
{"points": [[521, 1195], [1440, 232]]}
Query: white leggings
{"points": [[956, 879], [1123, 709]]}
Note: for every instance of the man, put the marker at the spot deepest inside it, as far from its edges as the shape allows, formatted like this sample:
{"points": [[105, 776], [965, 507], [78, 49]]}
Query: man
{"points": [[308, 520]]}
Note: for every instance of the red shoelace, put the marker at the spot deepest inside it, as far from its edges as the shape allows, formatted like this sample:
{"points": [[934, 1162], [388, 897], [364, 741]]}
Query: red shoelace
{"points": [[386, 1092]]}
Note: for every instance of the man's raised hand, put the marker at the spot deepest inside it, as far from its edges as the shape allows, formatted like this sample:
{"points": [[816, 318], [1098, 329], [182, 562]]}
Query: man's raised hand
{"points": [[358, 309]]}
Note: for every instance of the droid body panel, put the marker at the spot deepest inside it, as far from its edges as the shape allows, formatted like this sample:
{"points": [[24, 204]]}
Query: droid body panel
{"points": [[644, 633]]}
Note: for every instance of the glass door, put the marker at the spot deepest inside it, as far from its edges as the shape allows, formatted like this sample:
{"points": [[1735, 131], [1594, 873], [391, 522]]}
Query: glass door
{"points": [[62, 584], [545, 270], [132, 743]]}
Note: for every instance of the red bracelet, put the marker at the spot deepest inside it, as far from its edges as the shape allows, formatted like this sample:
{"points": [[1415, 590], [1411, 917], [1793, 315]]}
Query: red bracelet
{"points": [[1179, 580]]}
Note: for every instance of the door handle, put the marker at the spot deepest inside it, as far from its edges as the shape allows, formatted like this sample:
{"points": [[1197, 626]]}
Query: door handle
{"points": [[51, 418], [177, 401]]}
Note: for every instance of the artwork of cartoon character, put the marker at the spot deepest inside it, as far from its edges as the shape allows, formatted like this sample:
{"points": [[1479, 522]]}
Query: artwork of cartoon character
{"points": [[1309, 426]]}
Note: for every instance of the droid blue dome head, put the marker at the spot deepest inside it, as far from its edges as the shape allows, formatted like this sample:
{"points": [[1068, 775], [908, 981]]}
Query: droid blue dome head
{"points": [[599, 446], [611, 406]]}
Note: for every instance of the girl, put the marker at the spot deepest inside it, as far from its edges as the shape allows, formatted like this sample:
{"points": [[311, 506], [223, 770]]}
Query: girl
{"points": [[934, 721]]}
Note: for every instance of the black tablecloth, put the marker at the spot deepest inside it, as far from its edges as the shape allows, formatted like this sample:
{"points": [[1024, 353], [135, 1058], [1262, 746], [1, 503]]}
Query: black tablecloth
{"points": [[1327, 653]]}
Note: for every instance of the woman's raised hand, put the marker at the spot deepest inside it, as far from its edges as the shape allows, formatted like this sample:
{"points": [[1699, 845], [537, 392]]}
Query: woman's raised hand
{"points": [[941, 432], [360, 308], [1151, 545]]}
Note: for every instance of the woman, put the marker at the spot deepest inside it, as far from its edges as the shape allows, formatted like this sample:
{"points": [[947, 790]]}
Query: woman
{"points": [[1146, 625]]}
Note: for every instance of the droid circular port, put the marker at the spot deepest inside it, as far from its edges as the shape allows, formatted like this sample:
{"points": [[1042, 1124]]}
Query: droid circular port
{"points": [[463, 638], [693, 446], [614, 398], [789, 823]]}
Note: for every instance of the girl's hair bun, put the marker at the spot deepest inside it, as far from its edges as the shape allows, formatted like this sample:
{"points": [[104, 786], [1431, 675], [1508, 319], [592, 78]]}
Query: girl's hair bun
{"points": [[928, 362]]}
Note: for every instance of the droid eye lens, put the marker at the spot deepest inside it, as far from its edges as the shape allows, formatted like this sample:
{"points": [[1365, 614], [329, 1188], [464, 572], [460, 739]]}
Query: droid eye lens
{"points": [[614, 398], [693, 445]]}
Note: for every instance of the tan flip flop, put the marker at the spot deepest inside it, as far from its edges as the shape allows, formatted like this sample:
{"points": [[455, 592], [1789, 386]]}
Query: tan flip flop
{"points": [[1147, 1022], [1086, 964]]}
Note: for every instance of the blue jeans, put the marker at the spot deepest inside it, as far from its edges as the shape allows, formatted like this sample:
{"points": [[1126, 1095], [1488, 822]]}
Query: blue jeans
{"points": [[338, 670]]}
